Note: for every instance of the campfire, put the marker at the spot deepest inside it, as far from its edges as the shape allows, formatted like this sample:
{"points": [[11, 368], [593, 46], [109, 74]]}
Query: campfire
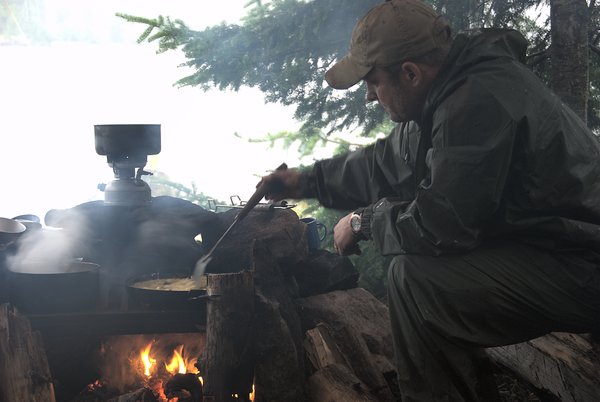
{"points": [[162, 369]]}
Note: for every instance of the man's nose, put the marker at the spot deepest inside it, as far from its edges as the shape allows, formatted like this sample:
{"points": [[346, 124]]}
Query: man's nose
{"points": [[371, 94]]}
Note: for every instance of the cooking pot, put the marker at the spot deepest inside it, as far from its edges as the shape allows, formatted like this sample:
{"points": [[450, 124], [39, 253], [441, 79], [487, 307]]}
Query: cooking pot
{"points": [[37, 287], [166, 292]]}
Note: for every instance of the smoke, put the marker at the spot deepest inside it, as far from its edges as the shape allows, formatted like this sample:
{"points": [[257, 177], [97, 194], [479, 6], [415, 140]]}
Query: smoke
{"points": [[51, 250]]}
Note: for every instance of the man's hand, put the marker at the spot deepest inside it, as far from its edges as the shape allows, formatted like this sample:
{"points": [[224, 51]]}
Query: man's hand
{"points": [[344, 239], [282, 184]]}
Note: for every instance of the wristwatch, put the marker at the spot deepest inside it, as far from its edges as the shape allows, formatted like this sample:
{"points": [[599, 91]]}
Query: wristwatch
{"points": [[355, 222]]}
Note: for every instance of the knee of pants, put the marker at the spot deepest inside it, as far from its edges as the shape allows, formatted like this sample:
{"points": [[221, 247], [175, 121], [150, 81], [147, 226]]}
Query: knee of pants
{"points": [[413, 287], [403, 271]]}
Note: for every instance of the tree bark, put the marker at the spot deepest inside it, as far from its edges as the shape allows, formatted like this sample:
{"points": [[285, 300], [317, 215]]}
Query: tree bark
{"points": [[279, 368], [227, 364], [24, 370], [569, 53]]}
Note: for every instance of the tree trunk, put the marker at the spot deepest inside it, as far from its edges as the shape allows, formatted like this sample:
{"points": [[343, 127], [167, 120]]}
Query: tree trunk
{"points": [[569, 73], [226, 364]]}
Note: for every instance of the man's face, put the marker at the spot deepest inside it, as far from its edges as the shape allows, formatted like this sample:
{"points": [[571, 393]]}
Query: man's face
{"points": [[396, 93]]}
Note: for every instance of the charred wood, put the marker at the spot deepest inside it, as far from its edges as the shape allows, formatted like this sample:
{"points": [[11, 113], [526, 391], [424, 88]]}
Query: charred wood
{"points": [[140, 395], [186, 387]]}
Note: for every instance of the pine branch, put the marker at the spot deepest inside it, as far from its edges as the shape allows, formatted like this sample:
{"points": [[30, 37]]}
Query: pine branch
{"points": [[595, 49]]}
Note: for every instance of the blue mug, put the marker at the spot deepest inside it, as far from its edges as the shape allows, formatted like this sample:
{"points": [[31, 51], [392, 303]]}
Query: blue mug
{"points": [[315, 233]]}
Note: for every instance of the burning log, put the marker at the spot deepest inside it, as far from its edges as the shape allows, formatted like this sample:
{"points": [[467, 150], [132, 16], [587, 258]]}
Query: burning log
{"points": [[140, 395], [24, 370], [227, 358], [185, 387]]}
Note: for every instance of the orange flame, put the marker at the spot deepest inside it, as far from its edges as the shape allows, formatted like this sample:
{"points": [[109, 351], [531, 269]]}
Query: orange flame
{"points": [[177, 364], [252, 394], [147, 361], [180, 363]]}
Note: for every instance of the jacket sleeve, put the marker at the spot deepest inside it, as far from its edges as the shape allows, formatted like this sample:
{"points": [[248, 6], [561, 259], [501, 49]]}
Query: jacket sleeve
{"points": [[362, 177], [467, 168]]}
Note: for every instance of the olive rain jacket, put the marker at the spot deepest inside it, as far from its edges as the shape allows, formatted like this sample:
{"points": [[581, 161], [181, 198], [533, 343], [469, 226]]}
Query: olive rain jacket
{"points": [[496, 155]]}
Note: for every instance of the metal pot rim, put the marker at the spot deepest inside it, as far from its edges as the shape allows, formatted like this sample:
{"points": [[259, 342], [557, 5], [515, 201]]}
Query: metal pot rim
{"points": [[70, 267]]}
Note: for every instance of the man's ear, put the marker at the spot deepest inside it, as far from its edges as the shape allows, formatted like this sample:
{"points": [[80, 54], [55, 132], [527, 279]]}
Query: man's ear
{"points": [[412, 73]]}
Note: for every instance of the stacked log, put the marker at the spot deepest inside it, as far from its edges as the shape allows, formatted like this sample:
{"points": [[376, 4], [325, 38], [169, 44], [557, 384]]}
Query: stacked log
{"points": [[565, 365], [316, 336], [24, 370]]}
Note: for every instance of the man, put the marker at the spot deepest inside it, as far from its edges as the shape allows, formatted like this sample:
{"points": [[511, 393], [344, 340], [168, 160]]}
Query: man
{"points": [[487, 193]]}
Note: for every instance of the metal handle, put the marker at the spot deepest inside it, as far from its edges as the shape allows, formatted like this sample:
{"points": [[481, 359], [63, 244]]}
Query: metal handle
{"points": [[258, 195]]}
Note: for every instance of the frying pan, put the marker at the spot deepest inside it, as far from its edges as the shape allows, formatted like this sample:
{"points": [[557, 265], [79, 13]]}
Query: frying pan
{"points": [[152, 291]]}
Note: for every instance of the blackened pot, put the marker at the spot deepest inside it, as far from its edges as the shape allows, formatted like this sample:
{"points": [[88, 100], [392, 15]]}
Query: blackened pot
{"points": [[40, 288], [165, 299]]}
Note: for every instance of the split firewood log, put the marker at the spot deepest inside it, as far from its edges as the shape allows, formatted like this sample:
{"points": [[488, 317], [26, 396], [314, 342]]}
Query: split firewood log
{"points": [[24, 370], [336, 383], [360, 329]]}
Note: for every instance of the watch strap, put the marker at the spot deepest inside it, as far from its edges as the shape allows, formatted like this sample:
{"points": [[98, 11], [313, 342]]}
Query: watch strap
{"points": [[365, 223]]}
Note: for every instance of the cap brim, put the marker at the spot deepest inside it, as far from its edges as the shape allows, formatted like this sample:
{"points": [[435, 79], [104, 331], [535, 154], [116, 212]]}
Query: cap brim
{"points": [[346, 73]]}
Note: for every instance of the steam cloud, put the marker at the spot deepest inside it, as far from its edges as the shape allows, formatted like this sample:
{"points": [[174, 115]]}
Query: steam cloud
{"points": [[51, 250]]}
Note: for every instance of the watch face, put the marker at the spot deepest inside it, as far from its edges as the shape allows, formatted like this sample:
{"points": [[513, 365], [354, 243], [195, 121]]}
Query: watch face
{"points": [[355, 223]]}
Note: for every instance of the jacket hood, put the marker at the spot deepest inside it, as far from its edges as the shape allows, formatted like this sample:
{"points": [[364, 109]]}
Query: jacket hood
{"points": [[474, 48]]}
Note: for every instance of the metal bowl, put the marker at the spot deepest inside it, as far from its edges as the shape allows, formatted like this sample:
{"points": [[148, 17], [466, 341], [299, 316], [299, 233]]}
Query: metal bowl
{"points": [[10, 230], [30, 221], [27, 217]]}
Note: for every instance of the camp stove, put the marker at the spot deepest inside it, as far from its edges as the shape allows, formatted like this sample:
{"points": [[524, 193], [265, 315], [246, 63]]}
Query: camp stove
{"points": [[126, 147]]}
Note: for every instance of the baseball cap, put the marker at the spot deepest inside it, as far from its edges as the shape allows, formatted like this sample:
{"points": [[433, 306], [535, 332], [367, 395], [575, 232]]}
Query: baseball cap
{"points": [[389, 33]]}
